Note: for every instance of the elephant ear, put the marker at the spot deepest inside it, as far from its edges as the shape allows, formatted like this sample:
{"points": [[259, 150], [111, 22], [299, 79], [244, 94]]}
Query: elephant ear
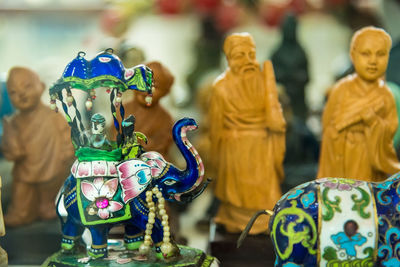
{"points": [[134, 177], [156, 162]]}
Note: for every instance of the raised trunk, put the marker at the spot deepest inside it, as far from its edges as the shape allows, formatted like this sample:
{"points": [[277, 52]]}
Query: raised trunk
{"points": [[192, 176]]}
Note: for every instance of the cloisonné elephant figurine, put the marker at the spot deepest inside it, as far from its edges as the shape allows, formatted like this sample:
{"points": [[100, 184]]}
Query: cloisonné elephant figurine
{"points": [[337, 222], [101, 193]]}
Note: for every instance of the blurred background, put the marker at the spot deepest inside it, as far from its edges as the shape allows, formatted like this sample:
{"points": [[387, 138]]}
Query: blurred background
{"points": [[187, 36]]}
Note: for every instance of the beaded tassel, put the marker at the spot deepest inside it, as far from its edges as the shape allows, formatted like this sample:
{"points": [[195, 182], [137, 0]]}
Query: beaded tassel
{"points": [[118, 99], [70, 99], [166, 246], [92, 94], [89, 104], [53, 105]]}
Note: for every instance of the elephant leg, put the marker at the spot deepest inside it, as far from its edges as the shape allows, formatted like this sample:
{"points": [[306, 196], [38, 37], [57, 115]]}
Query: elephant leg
{"points": [[134, 237], [72, 233], [98, 249], [139, 223], [157, 237], [137, 227]]}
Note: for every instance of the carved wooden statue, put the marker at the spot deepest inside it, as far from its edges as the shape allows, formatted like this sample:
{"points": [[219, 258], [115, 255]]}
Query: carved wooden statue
{"points": [[247, 132], [38, 142], [360, 119]]}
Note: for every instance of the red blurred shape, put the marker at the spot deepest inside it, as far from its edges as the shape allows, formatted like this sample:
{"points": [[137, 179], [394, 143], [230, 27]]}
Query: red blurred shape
{"points": [[170, 7], [227, 16], [206, 6]]}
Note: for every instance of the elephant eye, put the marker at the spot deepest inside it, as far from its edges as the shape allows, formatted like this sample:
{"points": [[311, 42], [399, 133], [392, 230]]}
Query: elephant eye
{"points": [[142, 177], [170, 182]]}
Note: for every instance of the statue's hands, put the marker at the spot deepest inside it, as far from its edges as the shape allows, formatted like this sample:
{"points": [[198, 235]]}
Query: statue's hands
{"points": [[7, 123], [368, 116], [10, 144]]}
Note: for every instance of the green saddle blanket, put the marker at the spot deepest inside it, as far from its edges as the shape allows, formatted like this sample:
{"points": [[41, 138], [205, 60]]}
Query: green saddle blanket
{"points": [[99, 201], [92, 154]]}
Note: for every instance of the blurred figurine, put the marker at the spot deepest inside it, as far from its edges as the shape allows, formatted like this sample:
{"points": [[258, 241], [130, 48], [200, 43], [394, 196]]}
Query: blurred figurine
{"points": [[247, 132], [6, 108], [130, 55], [393, 69], [38, 142], [291, 67], [203, 144], [3, 253], [291, 70], [207, 54], [360, 118], [153, 120]]}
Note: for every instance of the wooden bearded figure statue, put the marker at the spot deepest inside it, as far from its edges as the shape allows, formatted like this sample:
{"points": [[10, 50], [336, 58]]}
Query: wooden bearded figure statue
{"points": [[247, 132], [360, 119]]}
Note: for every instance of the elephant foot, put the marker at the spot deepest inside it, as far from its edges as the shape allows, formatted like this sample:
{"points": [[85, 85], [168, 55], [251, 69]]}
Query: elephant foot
{"points": [[98, 251], [167, 251], [72, 246], [133, 242]]}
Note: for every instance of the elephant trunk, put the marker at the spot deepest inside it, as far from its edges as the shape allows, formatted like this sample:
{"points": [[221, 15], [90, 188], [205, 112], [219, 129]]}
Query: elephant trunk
{"points": [[192, 176]]}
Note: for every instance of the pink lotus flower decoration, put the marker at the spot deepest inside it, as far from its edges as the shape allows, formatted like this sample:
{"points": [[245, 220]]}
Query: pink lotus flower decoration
{"points": [[340, 184], [101, 194]]}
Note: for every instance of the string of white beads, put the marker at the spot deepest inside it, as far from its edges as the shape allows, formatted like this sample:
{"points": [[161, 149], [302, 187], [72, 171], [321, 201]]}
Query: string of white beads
{"points": [[89, 104], [92, 93], [166, 246], [70, 99], [53, 105], [149, 99], [118, 99]]}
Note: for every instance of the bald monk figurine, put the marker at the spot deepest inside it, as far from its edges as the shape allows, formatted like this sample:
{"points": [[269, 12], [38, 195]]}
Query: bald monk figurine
{"points": [[38, 141], [247, 132], [359, 120], [153, 120]]}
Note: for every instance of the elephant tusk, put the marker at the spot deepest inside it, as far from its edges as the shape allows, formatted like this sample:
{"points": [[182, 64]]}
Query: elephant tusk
{"points": [[189, 196]]}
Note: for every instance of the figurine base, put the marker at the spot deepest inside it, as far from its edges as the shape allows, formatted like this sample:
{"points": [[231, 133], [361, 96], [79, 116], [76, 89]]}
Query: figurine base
{"points": [[117, 255], [256, 250]]}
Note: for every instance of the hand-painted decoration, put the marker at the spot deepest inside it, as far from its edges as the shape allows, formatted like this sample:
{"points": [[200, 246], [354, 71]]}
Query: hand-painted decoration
{"points": [[116, 181], [337, 222], [348, 239]]}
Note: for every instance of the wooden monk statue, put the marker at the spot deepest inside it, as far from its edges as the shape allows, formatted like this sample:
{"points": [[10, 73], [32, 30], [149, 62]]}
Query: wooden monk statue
{"points": [[360, 119], [247, 132], [38, 141]]}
